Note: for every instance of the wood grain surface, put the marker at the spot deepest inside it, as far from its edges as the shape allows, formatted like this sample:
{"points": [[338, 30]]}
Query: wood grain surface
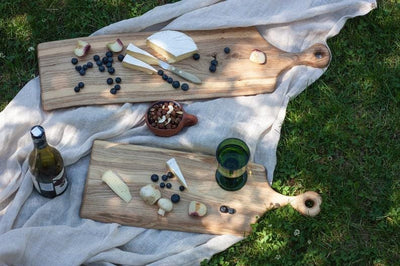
{"points": [[236, 75], [135, 164]]}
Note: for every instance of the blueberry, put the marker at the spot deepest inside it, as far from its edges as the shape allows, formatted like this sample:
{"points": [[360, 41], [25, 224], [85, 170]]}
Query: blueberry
{"points": [[109, 54], [78, 68], [175, 198], [74, 61], [170, 80], [164, 177], [102, 68], [117, 87], [82, 72], [111, 70], [104, 60], [89, 64], [110, 59], [77, 89], [181, 188], [212, 68], [170, 175], [99, 63], [160, 72], [214, 62], [118, 80], [223, 209], [164, 76], [196, 56], [109, 64], [113, 91], [81, 85], [176, 84], [184, 86], [154, 177], [121, 57], [85, 67], [162, 185], [96, 57], [227, 50], [231, 210], [169, 185], [110, 81]]}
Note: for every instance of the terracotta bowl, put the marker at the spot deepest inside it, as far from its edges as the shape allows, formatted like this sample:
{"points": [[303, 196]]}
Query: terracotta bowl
{"points": [[187, 120]]}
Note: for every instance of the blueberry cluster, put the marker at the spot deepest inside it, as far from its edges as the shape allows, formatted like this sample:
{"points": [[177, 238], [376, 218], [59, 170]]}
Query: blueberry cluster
{"points": [[81, 69], [102, 64], [214, 62], [213, 65], [175, 83], [117, 87], [155, 178], [175, 198], [79, 86], [226, 209], [105, 62]]}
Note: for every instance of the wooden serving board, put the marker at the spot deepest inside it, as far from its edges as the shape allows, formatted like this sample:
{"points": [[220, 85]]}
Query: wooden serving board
{"points": [[236, 75], [135, 164]]}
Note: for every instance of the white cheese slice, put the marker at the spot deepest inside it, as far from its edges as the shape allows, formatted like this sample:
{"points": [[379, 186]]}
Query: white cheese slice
{"points": [[141, 54], [173, 45], [174, 168], [117, 185], [134, 63]]}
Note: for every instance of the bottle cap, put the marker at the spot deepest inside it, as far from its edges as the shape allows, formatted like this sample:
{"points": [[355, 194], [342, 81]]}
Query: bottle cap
{"points": [[37, 132]]}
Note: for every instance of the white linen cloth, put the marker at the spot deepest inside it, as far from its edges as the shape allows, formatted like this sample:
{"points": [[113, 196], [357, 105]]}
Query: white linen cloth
{"points": [[38, 231]]}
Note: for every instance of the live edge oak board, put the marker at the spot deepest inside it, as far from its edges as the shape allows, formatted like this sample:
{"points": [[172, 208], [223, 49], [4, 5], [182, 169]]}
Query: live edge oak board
{"points": [[135, 164], [236, 75]]}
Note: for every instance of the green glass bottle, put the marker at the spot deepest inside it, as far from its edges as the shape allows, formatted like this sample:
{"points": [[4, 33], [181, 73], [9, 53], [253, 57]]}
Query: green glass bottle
{"points": [[232, 156], [46, 166]]}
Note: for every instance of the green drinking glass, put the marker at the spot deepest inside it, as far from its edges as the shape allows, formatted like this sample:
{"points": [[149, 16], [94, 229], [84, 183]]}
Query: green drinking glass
{"points": [[232, 156]]}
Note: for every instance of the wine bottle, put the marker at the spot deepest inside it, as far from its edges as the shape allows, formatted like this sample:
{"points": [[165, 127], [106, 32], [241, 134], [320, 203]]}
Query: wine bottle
{"points": [[46, 166]]}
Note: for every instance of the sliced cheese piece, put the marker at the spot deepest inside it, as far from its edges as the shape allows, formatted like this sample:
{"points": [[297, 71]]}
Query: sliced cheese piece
{"points": [[136, 64], [141, 54], [117, 185], [174, 168], [173, 45]]}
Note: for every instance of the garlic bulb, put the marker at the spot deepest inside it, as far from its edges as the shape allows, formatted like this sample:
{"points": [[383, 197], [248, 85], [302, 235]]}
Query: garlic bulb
{"points": [[165, 206], [150, 194]]}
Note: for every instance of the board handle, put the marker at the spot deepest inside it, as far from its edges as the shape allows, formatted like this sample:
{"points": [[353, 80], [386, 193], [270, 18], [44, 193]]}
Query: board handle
{"points": [[317, 56], [189, 120], [308, 203]]}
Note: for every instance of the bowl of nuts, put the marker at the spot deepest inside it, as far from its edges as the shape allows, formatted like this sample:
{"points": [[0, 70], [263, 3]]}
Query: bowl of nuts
{"points": [[166, 118]]}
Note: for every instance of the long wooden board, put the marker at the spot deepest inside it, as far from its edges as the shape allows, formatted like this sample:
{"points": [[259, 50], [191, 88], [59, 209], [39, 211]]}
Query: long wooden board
{"points": [[236, 75], [135, 164]]}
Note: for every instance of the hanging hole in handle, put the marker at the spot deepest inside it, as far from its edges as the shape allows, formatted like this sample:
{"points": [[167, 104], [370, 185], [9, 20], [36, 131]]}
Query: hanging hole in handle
{"points": [[318, 54], [309, 203]]}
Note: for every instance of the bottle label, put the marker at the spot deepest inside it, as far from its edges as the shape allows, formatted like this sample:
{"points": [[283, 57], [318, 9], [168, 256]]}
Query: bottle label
{"points": [[58, 185], [60, 182]]}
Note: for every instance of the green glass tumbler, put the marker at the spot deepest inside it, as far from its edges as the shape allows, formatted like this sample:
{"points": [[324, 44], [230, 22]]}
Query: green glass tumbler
{"points": [[232, 154]]}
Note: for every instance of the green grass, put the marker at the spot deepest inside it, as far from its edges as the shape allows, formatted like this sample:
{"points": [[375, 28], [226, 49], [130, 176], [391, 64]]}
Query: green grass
{"points": [[341, 136]]}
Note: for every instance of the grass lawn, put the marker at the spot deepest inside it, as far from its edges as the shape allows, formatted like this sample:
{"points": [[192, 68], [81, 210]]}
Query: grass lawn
{"points": [[341, 136]]}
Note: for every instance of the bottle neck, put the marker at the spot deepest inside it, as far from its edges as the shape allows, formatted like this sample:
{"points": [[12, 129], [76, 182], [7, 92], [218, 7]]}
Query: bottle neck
{"points": [[40, 143]]}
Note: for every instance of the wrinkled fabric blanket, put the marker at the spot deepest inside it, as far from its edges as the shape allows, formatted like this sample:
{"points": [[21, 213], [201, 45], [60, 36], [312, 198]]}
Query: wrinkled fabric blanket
{"points": [[38, 231]]}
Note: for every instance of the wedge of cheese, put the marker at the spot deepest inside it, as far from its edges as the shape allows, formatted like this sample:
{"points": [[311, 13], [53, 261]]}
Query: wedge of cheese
{"points": [[136, 64], [141, 54], [173, 45], [117, 185], [174, 168]]}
